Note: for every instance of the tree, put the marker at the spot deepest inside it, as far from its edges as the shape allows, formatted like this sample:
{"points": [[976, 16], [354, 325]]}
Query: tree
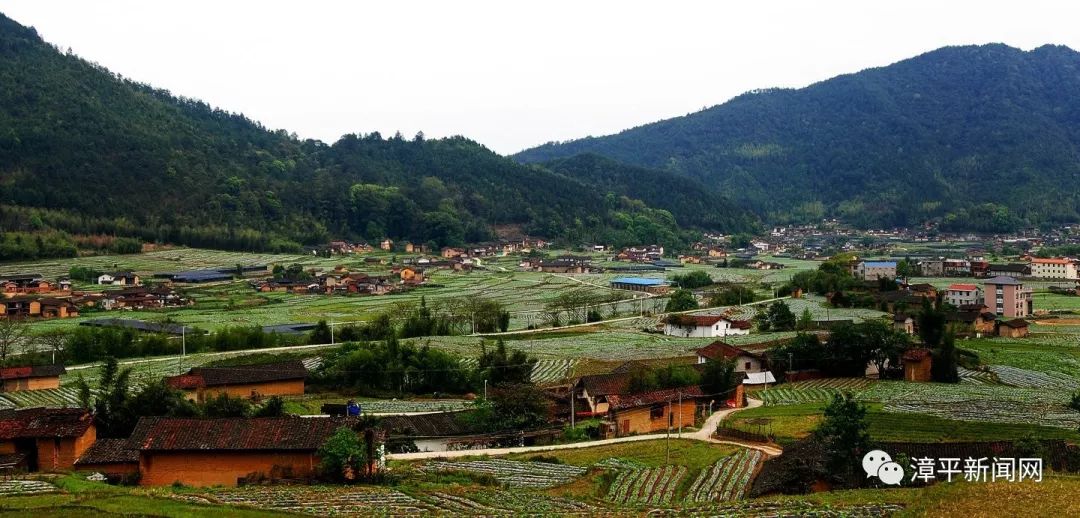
{"points": [[13, 332], [518, 406], [945, 365], [224, 405], [719, 377], [931, 324], [844, 434], [273, 407], [693, 280], [806, 321], [778, 317], [732, 296], [321, 334], [505, 366], [681, 300], [343, 456], [54, 340]]}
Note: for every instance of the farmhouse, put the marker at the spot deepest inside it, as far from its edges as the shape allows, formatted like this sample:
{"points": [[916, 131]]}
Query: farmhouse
{"points": [[641, 254], [46, 439], [119, 279], [653, 411], [112, 457], [905, 323], [645, 284], [35, 377], [1053, 269], [226, 451], [25, 306], [917, 364], [29, 284], [141, 297], [254, 381], [705, 326], [565, 264], [973, 318], [745, 361]]}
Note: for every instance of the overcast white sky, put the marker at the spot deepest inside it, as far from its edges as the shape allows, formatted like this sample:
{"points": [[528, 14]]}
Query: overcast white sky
{"points": [[510, 74]]}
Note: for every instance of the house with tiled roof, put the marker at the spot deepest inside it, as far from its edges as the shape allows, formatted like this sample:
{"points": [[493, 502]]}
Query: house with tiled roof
{"points": [[45, 439], [248, 381], [228, 451], [1015, 328], [745, 361], [112, 457], [31, 377], [1053, 268], [705, 326], [917, 363], [626, 411]]}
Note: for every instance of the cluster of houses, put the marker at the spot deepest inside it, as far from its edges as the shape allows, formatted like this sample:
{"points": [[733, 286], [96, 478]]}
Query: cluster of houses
{"points": [[488, 249], [340, 281], [32, 296], [1055, 268], [640, 254]]}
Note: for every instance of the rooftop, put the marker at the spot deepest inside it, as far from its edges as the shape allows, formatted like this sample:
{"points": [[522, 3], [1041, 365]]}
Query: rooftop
{"points": [[235, 433], [639, 281], [31, 423], [109, 451], [963, 287], [35, 371], [1004, 281], [238, 375]]}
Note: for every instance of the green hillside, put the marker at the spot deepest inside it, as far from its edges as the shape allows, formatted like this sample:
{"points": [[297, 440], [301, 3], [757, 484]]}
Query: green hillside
{"points": [[975, 138]]}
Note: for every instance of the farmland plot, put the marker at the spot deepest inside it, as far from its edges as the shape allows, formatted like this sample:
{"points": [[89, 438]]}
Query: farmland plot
{"points": [[64, 397], [1018, 377], [647, 486], [514, 473], [321, 501], [727, 479], [24, 487], [503, 502]]}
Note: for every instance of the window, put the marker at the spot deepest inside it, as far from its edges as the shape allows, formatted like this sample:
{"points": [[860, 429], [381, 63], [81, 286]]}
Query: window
{"points": [[747, 366], [657, 411]]}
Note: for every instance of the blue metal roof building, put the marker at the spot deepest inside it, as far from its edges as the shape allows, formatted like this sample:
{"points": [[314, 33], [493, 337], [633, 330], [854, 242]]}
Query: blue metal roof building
{"points": [[638, 281]]}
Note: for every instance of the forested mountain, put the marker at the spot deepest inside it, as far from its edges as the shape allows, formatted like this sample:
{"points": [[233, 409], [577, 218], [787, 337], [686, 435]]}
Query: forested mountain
{"points": [[85, 151], [974, 137]]}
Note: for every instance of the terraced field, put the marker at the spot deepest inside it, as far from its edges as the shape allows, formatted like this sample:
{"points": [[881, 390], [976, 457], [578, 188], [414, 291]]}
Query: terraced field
{"points": [[64, 397], [655, 486], [726, 480], [521, 474]]}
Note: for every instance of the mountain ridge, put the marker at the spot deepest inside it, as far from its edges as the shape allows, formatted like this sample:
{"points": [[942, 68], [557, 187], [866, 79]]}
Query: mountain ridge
{"points": [[888, 145]]}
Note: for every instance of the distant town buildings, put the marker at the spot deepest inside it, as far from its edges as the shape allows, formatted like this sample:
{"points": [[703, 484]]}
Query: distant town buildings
{"points": [[873, 270], [1053, 269], [963, 294]]}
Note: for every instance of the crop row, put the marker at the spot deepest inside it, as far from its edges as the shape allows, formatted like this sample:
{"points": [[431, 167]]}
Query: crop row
{"points": [[514, 473], [976, 377], [835, 383], [65, 397], [794, 396], [17, 487], [648, 486], [322, 501], [1018, 377], [503, 502], [727, 479]]}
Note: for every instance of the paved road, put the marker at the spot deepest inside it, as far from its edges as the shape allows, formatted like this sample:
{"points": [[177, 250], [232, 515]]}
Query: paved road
{"points": [[704, 434]]}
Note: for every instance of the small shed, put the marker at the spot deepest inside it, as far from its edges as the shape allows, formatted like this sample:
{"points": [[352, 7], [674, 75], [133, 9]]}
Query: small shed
{"points": [[1015, 328], [917, 363]]}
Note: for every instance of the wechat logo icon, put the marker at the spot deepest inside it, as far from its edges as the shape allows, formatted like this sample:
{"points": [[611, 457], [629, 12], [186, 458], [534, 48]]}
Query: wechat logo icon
{"points": [[879, 464]]}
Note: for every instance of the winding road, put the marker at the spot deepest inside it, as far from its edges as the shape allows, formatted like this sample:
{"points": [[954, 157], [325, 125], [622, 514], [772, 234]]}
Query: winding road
{"points": [[704, 434]]}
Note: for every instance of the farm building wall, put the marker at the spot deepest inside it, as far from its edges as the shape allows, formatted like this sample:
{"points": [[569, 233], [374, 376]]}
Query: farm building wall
{"points": [[211, 468], [640, 420], [246, 390], [55, 454], [45, 382], [917, 371]]}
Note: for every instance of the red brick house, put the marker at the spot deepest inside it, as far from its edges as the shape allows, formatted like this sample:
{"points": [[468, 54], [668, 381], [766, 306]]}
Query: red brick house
{"points": [[209, 452], [34, 377], [254, 381], [45, 439]]}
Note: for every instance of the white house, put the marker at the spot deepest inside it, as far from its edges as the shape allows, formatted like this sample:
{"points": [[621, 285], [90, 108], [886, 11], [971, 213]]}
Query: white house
{"points": [[745, 361], [119, 279], [963, 294], [705, 326], [1053, 269]]}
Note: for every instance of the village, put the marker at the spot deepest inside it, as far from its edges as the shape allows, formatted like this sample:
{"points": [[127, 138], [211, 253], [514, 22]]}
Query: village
{"points": [[504, 353]]}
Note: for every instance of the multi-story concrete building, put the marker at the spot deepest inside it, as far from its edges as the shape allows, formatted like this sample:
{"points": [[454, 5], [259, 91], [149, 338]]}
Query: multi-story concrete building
{"points": [[872, 270], [1053, 269], [1007, 297]]}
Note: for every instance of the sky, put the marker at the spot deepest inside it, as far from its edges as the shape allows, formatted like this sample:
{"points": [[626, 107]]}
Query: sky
{"points": [[510, 74]]}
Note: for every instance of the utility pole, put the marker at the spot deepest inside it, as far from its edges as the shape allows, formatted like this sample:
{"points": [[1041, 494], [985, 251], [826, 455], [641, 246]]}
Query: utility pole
{"points": [[183, 346], [485, 390], [331, 331], [667, 438]]}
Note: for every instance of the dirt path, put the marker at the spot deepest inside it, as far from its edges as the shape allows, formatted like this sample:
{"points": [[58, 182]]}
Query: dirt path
{"points": [[704, 434]]}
